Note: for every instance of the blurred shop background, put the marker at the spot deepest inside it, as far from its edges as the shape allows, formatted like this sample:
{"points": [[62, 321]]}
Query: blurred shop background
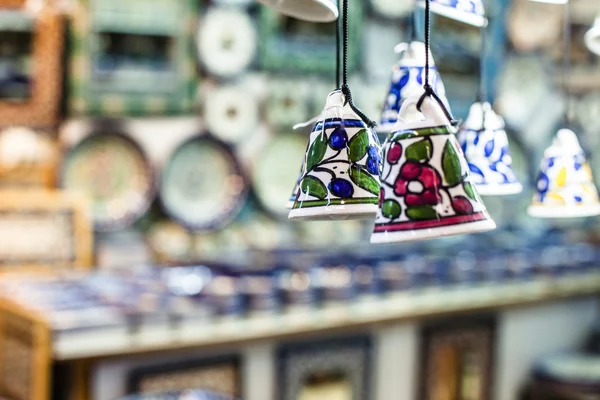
{"points": [[146, 159]]}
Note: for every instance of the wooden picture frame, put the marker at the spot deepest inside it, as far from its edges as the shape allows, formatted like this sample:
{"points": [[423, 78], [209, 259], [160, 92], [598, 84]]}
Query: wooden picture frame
{"points": [[41, 108], [219, 374], [103, 82], [55, 231], [457, 357], [306, 370]]}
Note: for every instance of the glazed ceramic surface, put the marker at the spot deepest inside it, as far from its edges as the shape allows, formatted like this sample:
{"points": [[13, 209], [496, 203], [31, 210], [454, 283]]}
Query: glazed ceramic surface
{"points": [[113, 171], [202, 185], [427, 190], [565, 186], [592, 37], [408, 76], [468, 11], [485, 144], [307, 10], [340, 178]]}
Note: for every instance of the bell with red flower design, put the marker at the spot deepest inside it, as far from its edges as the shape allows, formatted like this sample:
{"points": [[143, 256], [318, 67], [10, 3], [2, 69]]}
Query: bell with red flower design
{"points": [[426, 188], [340, 174]]}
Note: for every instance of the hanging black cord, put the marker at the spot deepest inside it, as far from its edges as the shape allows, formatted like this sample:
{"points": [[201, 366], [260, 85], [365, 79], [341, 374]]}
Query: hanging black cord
{"points": [[427, 86], [566, 67], [345, 88], [337, 52]]}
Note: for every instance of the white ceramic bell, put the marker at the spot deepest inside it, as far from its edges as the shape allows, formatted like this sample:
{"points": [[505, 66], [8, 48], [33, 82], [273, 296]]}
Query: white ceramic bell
{"points": [[470, 12], [592, 37], [307, 10]]}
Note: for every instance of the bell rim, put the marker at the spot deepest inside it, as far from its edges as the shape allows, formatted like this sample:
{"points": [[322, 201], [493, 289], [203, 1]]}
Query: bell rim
{"points": [[338, 212], [452, 13], [556, 212], [499, 189], [331, 15], [484, 225]]}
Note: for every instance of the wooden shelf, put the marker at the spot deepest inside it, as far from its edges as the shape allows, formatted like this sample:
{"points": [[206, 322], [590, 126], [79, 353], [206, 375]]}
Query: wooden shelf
{"points": [[116, 342]]}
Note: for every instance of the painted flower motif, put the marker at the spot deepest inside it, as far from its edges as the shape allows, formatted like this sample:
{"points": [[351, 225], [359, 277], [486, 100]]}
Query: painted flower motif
{"points": [[419, 184], [543, 185]]}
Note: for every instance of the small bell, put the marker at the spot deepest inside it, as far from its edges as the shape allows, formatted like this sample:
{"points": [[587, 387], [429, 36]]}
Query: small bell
{"points": [[340, 176], [565, 186], [485, 144], [468, 11], [592, 37], [408, 76], [426, 188], [551, 1], [307, 10]]}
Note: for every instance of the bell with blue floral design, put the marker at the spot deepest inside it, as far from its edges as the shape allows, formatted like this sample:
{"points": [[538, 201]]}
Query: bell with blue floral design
{"points": [[340, 176], [565, 186], [485, 144], [408, 76], [468, 11], [427, 190]]}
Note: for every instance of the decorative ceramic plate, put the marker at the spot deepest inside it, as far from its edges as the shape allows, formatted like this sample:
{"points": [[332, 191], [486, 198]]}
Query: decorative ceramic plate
{"points": [[276, 171], [113, 171], [202, 185], [227, 41], [231, 112]]}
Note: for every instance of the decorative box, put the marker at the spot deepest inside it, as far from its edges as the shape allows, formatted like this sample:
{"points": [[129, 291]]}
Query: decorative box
{"points": [[132, 57], [334, 369], [457, 359], [31, 64]]}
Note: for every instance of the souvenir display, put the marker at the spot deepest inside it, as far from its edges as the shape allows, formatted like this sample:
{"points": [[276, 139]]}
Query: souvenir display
{"points": [[226, 41], [202, 185], [551, 1], [273, 171], [392, 8], [115, 174], [592, 37], [407, 80], [190, 394], [458, 360], [43, 230], [169, 241], [261, 294], [132, 63], [567, 376], [340, 178], [231, 113], [485, 145], [534, 26], [220, 375], [287, 103], [565, 186], [31, 63], [288, 44], [307, 10], [295, 289], [427, 189], [470, 12], [333, 283], [338, 369]]}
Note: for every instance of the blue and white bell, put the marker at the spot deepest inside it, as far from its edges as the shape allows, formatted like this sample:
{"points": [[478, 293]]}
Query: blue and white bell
{"points": [[468, 11], [485, 144], [408, 76]]}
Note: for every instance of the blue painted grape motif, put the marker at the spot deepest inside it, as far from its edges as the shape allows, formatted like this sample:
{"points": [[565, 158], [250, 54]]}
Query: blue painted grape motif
{"points": [[341, 188], [338, 138], [374, 160]]}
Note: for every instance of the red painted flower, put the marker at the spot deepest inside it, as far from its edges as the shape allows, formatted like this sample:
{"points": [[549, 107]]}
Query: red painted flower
{"points": [[462, 205], [419, 184]]}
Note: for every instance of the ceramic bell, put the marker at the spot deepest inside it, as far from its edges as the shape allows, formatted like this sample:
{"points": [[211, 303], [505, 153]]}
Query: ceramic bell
{"points": [[485, 144], [592, 37], [427, 190], [565, 187], [468, 11], [340, 177], [551, 1], [408, 76], [307, 10]]}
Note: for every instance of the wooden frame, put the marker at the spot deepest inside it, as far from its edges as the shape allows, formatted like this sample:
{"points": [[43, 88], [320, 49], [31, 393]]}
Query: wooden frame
{"points": [[346, 357], [58, 210], [448, 349], [42, 108], [210, 367]]}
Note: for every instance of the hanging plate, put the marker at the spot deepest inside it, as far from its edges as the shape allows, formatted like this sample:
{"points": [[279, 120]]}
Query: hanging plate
{"points": [[231, 112], [202, 185], [111, 170], [276, 171]]}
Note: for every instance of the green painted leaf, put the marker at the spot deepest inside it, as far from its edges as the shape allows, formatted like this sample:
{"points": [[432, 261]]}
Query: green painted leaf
{"points": [[358, 146], [420, 151], [313, 187], [316, 151], [403, 135], [391, 209], [364, 180], [421, 213], [470, 190], [451, 165]]}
